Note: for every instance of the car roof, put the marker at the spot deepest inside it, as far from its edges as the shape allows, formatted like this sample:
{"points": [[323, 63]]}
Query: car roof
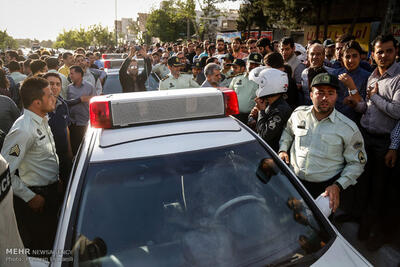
{"points": [[167, 138]]}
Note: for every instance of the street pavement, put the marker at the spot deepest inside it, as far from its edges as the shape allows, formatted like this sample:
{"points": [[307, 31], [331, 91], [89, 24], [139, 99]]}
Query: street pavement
{"points": [[386, 256]]}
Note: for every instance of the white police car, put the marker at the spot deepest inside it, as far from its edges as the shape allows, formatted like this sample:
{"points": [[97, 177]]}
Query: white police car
{"points": [[168, 178]]}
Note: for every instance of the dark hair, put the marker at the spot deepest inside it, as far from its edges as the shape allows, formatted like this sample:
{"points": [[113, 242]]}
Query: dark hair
{"points": [[80, 49], [4, 83], [203, 61], [52, 74], [210, 60], [12, 53], [66, 55], [44, 57], [312, 72], [352, 45], [344, 38], [316, 41], [237, 39], [220, 40], [274, 60], [14, 66], [27, 63], [20, 58], [383, 39], [77, 68], [37, 65], [32, 89], [52, 62], [33, 56], [88, 54], [251, 41], [45, 53], [211, 47], [263, 42], [287, 41]]}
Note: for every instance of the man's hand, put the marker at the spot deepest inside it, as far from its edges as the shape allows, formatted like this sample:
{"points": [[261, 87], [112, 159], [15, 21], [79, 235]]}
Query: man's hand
{"points": [[372, 91], [390, 158], [254, 113], [261, 104], [347, 81], [86, 98], [132, 52], [37, 203], [352, 100], [284, 156], [333, 192]]}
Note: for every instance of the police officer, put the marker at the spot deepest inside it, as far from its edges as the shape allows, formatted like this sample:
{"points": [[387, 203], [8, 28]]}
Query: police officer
{"points": [[246, 89], [176, 80], [10, 238], [326, 148], [273, 110], [227, 70], [30, 148]]}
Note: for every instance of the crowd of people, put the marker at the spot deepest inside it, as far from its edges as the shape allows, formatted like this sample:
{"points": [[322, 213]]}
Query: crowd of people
{"points": [[330, 112]]}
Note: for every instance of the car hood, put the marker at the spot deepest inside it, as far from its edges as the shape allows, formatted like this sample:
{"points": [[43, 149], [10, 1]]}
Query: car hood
{"points": [[341, 253]]}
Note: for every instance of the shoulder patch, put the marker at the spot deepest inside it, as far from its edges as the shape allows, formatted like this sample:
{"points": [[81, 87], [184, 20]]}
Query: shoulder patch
{"points": [[15, 151]]}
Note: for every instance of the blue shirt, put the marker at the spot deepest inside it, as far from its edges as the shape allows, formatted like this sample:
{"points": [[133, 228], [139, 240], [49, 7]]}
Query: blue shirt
{"points": [[99, 64], [58, 121], [360, 78]]}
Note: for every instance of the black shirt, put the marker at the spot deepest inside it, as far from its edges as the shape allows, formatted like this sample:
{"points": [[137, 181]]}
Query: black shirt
{"points": [[127, 82], [272, 121]]}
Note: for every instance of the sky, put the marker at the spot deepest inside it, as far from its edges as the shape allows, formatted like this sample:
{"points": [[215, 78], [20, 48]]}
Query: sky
{"points": [[45, 19]]}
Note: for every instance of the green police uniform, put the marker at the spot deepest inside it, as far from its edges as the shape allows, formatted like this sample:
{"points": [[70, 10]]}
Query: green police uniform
{"points": [[228, 79], [183, 81], [245, 90], [320, 150]]}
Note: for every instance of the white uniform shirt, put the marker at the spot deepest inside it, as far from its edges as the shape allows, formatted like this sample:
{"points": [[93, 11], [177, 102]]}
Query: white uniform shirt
{"points": [[29, 147], [319, 150]]}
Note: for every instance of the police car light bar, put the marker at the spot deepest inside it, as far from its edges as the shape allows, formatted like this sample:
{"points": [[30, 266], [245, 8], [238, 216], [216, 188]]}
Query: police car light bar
{"points": [[119, 110]]}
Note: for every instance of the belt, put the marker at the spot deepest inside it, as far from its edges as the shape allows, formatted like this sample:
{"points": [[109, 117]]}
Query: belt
{"points": [[376, 135], [44, 189]]}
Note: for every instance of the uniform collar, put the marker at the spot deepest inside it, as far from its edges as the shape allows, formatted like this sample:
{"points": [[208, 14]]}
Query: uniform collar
{"points": [[331, 116], [39, 120]]}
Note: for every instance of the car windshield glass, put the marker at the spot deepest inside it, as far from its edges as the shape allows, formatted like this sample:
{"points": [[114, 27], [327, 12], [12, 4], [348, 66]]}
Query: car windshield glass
{"points": [[112, 85], [226, 206]]}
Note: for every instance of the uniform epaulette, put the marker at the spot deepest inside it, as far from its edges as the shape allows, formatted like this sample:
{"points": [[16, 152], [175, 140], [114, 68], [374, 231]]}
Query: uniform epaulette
{"points": [[166, 77], [347, 121]]}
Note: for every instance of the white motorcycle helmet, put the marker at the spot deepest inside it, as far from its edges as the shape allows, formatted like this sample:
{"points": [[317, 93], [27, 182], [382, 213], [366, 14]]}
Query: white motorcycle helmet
{"points": [[270, 81]]}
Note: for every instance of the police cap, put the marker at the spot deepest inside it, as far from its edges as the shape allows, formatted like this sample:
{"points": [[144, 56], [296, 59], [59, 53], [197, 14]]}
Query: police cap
{"points": [[325, 79], [255, 58], [174, 61], [238, 62]]}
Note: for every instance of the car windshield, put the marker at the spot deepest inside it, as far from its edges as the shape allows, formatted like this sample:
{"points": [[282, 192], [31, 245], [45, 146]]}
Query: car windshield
{"points": [[226, 206], [112, 85]]}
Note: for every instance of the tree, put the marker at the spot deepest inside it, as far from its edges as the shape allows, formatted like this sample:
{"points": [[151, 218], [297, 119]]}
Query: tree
{"points": [[165, 24], [95, 35], [208, 20], [100, 36], [6, 41]]}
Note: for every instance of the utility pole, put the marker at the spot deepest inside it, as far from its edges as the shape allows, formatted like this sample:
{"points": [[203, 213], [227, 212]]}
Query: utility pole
{"points": [[387, 20], [116, 33]]}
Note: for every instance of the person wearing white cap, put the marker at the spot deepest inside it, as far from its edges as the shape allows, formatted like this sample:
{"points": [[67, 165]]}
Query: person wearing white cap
{"points": [[273, 110]]}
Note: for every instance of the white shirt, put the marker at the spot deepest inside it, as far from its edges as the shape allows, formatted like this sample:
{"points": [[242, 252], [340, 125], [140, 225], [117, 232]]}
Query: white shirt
{"points": [[88, 77], [319, 150], [30, 148]]}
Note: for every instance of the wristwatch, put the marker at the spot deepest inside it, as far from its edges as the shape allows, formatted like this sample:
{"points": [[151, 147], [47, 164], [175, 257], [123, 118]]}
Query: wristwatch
{"points": [[353, 92]]}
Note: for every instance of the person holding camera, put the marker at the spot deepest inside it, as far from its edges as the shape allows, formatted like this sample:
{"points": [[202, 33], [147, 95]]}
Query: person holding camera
{"points": [[130, 78]]}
